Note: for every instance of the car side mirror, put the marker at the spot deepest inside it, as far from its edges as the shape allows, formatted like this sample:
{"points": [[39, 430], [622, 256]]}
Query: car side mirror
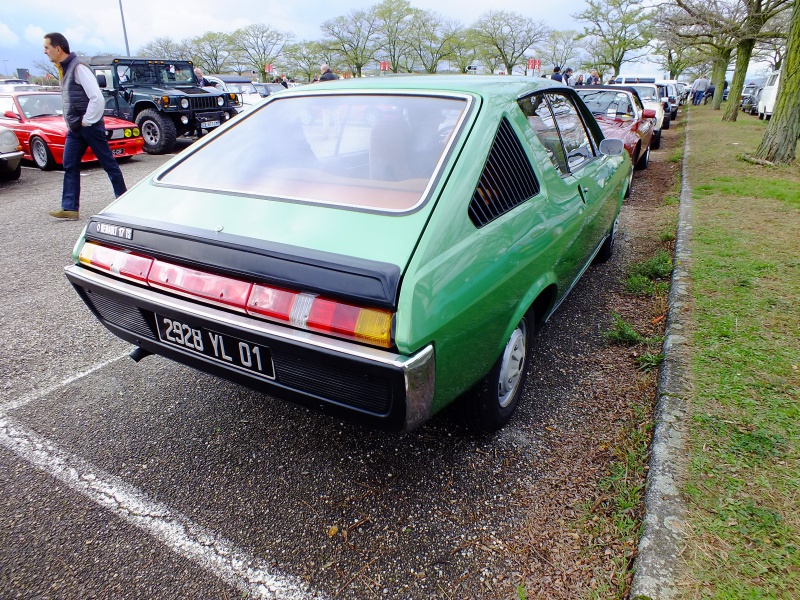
{"points": [[648, 113], [612, 147], [10, 115], [101, 80]]}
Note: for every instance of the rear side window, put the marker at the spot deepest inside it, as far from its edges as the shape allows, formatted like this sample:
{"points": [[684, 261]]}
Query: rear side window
{"points": [[577, 144], [541, 120], [507, 179]]}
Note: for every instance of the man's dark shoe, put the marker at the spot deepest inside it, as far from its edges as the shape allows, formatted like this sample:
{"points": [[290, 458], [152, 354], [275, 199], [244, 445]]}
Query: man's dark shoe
{"points": [[69, 215]]}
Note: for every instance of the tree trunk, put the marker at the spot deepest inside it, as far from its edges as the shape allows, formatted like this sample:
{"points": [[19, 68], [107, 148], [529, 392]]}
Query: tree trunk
{"points": [[721, 62], [744, 51], [780, 140]]}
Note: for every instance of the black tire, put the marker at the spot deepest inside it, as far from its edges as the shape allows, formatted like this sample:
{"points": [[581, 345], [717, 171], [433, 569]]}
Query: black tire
{"points": [[665, 123], [644, 159], [655, 143], [489, 406], [42, 155], [13, 175], [158, 131], [607, 249], [630, 183], [673, 116]]}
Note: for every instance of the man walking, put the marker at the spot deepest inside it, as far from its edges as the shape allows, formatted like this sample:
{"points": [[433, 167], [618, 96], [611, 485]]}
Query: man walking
{"points": [[699, 88], [83, 111]]}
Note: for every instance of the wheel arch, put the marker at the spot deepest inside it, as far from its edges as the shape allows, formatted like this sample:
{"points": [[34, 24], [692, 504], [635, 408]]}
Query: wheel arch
{"points": [[143, 105]]}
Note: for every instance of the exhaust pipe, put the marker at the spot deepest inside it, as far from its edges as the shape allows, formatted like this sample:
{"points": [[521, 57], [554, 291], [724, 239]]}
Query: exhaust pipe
{"points": [[138, 354]]}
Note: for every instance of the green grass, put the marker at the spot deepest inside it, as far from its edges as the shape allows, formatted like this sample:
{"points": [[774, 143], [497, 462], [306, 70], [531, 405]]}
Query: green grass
{"points": [[623, 333], [743, 482], [649, 277]]}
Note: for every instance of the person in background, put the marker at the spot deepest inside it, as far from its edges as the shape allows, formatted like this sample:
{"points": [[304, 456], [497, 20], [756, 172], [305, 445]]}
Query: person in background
{"points": [[594, 78], [557, 74], [284, 82], [699, 88], [568, 76], [578, 81], [201, 81], [327, 74], [83, 112]]}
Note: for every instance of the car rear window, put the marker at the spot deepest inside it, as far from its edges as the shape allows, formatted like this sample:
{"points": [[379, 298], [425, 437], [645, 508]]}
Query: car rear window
{"points": [[369, 151]]}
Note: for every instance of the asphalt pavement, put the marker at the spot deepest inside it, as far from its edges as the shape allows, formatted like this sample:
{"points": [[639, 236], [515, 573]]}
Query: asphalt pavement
{"points": [[151, 480]]}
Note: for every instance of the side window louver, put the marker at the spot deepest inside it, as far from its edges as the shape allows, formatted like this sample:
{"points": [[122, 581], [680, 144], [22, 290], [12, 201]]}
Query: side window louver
{"points": [[507, 180]]}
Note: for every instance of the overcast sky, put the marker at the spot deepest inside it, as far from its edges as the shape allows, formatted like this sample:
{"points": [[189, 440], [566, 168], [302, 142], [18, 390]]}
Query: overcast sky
{"points": [[94, 26]]}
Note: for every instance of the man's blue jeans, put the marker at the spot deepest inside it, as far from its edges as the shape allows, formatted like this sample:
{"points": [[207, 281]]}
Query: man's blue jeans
{"points": [[93, 137], [698, 97]]}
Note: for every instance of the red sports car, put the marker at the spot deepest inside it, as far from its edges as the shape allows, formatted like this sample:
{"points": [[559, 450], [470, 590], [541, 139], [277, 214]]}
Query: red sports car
{"points": [[36, 118], [620, 114]]}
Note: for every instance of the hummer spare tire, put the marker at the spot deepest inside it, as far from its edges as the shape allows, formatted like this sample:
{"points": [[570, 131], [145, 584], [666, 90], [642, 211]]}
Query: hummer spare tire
{"points": [[157, 130]]}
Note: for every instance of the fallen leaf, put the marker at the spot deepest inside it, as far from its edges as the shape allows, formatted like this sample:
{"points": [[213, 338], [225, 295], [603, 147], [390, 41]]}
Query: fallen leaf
{"points": [[333, 530]]}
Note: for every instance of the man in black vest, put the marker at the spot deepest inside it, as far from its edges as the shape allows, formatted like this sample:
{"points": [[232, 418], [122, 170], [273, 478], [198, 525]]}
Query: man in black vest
{"points": [[83, 112]]}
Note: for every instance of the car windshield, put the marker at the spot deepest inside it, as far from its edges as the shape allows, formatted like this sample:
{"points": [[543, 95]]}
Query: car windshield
{"points": [[242, 88], [606, 102], [162, 74], [377, 152], [646, 92], [40, 105]]}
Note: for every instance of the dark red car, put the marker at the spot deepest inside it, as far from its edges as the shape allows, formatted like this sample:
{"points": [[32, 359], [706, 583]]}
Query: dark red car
{"points": [[36, 118], [620, 114]]}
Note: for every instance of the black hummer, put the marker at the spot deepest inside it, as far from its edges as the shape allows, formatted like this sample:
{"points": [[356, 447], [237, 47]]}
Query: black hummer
{"points": [[163, 98]]}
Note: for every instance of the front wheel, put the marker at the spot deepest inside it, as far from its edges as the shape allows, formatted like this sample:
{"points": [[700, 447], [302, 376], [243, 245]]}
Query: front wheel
{"points": [[158, 131], [42, 155], [13, 175], [489, 406]]}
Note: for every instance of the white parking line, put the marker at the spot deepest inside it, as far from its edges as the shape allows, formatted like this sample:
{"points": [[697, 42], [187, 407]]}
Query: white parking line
{"points": [[198, 544]]}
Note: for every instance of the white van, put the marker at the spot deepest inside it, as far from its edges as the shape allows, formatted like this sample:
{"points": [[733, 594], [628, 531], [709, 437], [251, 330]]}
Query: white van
{"points": [[766, 104]]}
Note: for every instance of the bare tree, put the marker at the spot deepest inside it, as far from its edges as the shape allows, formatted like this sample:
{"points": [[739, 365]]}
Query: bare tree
{"points": [[393, 30], [780, 139], [559, 48], [354, 36], [430, 38], [164, 47], [305, 58], [213, 51], [47, 67], [619, 31], [463, 51], [257, 46], [507, 35], [744, 21]]}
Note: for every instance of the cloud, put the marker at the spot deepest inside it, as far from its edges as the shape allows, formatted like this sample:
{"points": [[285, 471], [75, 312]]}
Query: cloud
{"points": [[34, 34], [8, 38]]}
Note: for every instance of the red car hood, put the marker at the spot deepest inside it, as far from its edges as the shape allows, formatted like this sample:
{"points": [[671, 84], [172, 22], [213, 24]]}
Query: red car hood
{"points": [[614, 128], [57, 125]]}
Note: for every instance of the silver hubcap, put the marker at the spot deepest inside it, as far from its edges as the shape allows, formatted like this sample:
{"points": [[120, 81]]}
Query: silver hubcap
{"points": [[512, 366], [39, 153], [151, 133]]}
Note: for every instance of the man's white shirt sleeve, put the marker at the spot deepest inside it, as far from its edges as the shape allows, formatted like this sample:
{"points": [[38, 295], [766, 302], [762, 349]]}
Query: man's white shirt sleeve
{"points": [[97, 104]]}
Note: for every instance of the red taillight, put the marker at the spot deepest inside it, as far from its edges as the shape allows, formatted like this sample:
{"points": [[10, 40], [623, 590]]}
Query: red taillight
{"points": [[270, 302], [228, 292], [301, 310], [117, 262]]}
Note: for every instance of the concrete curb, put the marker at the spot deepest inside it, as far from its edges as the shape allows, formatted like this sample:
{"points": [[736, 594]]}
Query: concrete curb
{"points": [[657, 565]]}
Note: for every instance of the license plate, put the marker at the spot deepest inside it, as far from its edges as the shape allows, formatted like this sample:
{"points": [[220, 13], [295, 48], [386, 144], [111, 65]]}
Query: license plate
{"points": [[207, 124], [219, 347], [117, 151]]}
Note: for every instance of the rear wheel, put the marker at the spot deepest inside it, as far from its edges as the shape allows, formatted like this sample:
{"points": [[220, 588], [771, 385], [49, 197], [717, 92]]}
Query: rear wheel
{"points": [[158, 131], [490, 405], [665, 124], [644, 159], [655, 144], [42, 155], [607, 249]]}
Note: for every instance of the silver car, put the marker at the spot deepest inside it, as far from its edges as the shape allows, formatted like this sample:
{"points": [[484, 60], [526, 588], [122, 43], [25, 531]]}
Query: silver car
{"points": [[10, 155]]}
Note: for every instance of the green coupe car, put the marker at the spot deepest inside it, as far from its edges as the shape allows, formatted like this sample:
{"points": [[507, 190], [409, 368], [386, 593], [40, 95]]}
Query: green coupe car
{"points": [[378, 261]]}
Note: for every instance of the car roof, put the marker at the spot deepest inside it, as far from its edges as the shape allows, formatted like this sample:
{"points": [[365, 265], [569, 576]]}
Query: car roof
{"points": [[232, 78], [612, 87], [109, 60], [484, 85]]}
